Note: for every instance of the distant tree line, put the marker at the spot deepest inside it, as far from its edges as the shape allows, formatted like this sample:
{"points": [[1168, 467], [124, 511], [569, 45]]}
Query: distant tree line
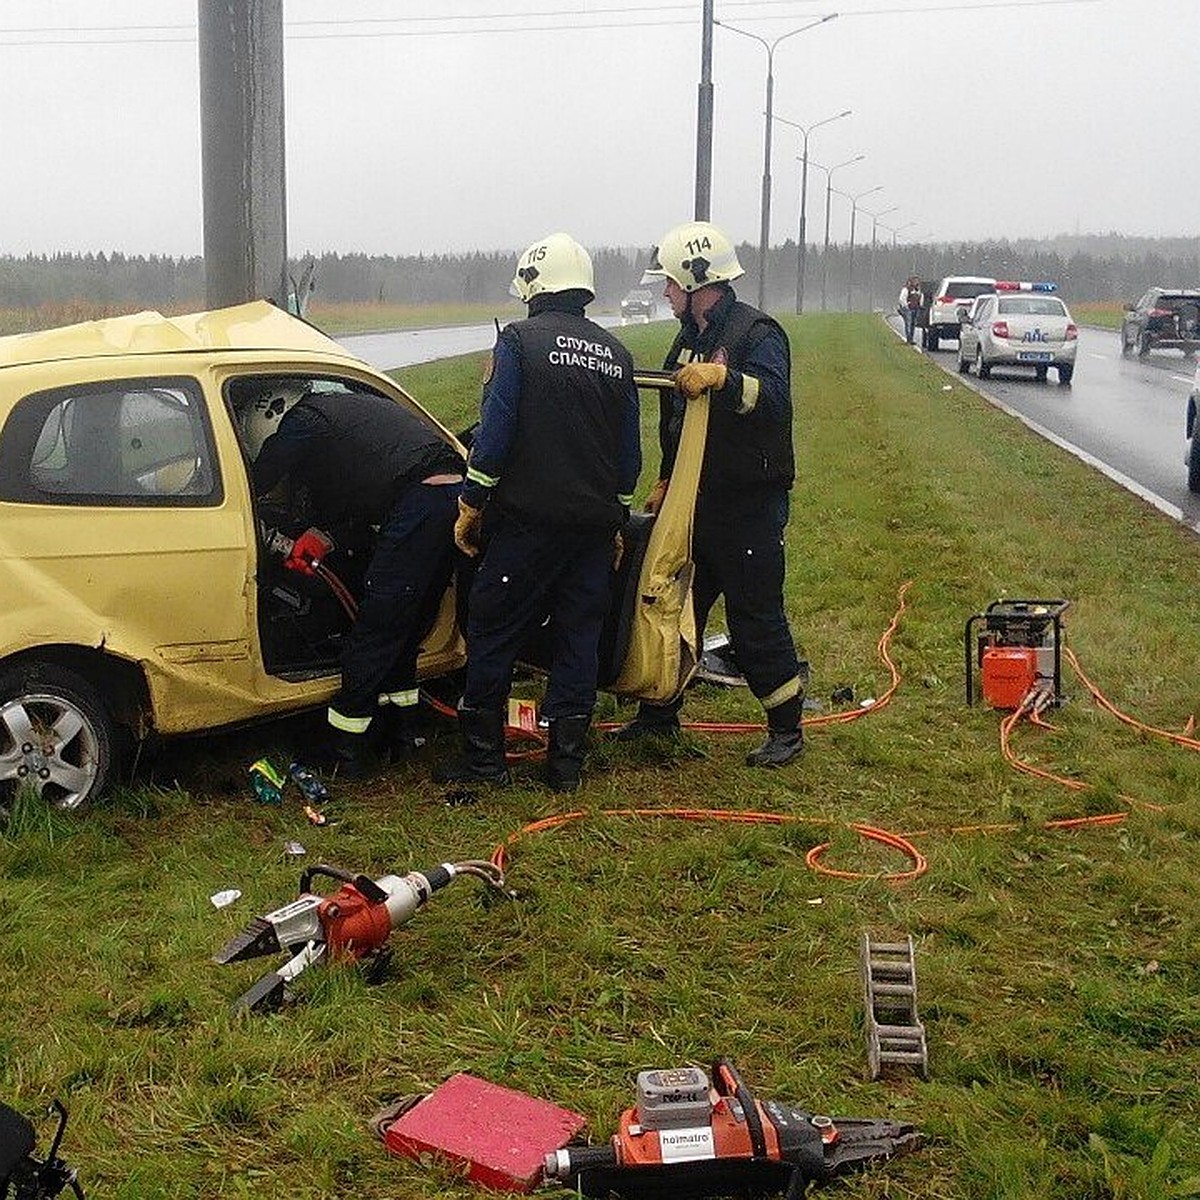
{"points": [[1086, 268]]}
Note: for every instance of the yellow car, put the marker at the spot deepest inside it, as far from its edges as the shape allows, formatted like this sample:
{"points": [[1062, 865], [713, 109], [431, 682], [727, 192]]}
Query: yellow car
{"points": [[141, 594]]}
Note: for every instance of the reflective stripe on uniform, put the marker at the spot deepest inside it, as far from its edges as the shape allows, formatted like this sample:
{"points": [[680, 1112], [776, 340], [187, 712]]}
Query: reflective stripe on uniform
{"points": [[781, 695], [348, 724], [405, 699], [476, 476], [626, 500], [749, 395]]}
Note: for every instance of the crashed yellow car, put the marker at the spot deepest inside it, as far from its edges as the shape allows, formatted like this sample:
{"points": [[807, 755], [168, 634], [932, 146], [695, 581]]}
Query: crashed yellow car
{"points": [[140, 592]]}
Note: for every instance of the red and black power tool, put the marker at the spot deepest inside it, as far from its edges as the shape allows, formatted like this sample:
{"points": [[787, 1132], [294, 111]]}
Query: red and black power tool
{"points": [[687, 1138], [1017, 648], [354, 923]]}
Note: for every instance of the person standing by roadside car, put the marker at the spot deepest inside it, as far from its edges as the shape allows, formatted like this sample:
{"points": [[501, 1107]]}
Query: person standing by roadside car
{"points": [[550, 478], [909, 306], [741, 357], [366, 462]]}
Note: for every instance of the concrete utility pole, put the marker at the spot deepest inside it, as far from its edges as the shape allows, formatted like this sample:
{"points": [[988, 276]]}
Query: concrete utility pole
{"points": [[241, 136], [704, 117]]}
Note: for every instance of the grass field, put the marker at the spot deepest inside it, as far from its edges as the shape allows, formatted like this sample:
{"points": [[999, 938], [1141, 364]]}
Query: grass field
{"points": [[1058, 968], [1107, 315]]}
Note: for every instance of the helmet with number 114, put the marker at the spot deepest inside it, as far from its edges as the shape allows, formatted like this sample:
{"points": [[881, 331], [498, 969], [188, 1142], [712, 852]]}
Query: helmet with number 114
{"points": [[694, 255]]}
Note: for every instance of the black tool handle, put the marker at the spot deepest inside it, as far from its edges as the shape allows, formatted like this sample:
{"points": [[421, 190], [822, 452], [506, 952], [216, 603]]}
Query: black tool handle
{"points": [[726, 1076]]}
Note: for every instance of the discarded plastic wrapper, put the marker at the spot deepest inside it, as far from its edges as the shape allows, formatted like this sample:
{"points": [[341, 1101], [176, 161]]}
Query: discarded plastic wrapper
{"points": [[294, 850], [226, 898], [267, 782], [311, 788], [314, 816]]}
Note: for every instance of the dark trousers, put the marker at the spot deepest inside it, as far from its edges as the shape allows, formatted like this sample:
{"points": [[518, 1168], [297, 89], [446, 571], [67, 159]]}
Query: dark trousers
{"points": [[527, 574], [409, 572], [738, 551]]}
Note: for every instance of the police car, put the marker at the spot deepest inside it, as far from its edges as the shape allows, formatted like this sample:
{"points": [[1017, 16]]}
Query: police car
{"points": [[1019, 325], [952, 294]]}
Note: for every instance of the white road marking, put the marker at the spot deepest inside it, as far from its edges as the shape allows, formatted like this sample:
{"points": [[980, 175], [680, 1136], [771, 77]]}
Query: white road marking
{"points": [[1182, 378]]}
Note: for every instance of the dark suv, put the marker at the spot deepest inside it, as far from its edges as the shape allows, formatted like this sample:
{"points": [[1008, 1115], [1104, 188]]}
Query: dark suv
{"points": [[638, 303], [1164, 318]]}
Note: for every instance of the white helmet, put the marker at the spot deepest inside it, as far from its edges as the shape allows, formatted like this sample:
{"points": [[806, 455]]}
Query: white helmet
{"points": [[261, 417], [694, 255], [557, 263]]}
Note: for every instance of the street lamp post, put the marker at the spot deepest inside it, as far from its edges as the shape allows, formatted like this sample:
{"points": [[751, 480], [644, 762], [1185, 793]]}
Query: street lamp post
{"points": [[802, 235], [850, 261], [874, 233], [764, 230], [828, 201]]}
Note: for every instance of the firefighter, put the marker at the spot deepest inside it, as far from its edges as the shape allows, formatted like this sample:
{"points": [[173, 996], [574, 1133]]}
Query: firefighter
{"points": [[742, 358], [550, 478], [365, 462]]}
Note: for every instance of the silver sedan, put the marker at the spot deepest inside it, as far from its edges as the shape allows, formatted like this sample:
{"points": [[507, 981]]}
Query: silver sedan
{"points": [[1020, 325]]}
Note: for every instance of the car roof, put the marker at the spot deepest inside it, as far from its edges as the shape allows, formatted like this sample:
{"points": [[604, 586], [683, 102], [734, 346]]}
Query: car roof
{"points": [[967, 279], [258, 325], [1188, 293]]}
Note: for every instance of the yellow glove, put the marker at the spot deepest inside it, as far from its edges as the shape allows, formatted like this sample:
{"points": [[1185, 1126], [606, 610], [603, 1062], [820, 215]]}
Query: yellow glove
{"points": [[696, 378], [618, 550], [466, 528], [655, 499]]}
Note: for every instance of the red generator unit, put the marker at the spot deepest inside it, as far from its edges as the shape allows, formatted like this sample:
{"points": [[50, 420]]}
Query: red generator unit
{"points": [[1015, 646]]}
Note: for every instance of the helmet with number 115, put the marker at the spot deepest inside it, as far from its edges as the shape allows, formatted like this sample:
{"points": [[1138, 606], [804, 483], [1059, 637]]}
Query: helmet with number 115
{"points": [[694, 255], [261, 417], [557, 263]]}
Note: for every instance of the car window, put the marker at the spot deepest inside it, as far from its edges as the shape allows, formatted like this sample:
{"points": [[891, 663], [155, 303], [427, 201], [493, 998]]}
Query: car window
{"points": [[966, 291], [128, 442], [1033, 306]]}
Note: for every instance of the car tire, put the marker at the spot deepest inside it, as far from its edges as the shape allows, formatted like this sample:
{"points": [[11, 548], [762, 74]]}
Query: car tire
{"points": [[981, 368], [1065, 374], [964, 364], [1126, 345], [56, 736], [1193, 465], [1040, 373], [931, 340], [1143, 344]]}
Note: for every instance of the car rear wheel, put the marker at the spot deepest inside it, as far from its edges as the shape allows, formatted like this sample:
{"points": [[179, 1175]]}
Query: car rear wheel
{"points": [[964, 363], [1143, 345], [1126, 345], [1193, 465], [1065, 372], [981, 368], [56, 736]]}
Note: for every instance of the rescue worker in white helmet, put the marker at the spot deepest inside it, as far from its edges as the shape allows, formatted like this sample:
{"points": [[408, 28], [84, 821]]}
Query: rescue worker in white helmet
{"points": [[550, 478], [741, 357], [366, 463]]}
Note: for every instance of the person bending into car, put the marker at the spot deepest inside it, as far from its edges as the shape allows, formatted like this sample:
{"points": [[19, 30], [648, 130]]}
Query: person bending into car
{"points": [[550, 479], [741, 357], [366, 461]]}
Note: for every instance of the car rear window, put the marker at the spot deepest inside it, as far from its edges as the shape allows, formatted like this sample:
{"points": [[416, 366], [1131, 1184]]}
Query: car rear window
{"points": [[1033, 306], [967, 291]]}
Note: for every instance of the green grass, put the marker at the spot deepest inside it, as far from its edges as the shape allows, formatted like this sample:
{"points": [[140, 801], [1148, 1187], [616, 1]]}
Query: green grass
{"points": [[1058, 971], [1107, 315]]}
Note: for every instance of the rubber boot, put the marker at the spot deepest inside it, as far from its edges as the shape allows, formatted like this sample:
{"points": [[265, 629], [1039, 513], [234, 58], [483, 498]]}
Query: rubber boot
{"points": [[785, 735], [398, 737], [347, 755], [564, 758], [482, 758], [652, 720]]}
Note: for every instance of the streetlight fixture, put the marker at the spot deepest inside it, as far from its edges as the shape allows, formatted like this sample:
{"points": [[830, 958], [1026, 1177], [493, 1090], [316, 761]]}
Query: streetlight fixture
{"points": [[874, 232], [802, 236], [764, 231], [828, 200], [854, 199]]}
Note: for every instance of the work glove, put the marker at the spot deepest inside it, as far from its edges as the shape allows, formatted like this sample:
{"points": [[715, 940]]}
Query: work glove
{"points": [[696, 378], [655, 499], [467, 528], [308, 551], [618, 550]]}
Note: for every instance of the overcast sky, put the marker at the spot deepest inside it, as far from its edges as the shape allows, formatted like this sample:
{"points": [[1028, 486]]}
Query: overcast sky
{"points": [[445, 125]]}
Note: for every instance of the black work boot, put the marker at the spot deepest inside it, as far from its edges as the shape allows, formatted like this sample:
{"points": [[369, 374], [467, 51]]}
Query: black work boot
{"points": [[652, 720], [482, 758], [347, 755], [564, 758], [398, 737], [785, 735]]}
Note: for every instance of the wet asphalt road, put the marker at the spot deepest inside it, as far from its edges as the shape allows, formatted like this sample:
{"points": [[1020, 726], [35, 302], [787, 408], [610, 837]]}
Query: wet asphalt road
{"points": [[1123, 415]]}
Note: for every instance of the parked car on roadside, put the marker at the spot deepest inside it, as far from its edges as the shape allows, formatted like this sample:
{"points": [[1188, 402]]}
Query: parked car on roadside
{"points": [[951, 294], [143, 585], [1163, 319], [1021, 325]]}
